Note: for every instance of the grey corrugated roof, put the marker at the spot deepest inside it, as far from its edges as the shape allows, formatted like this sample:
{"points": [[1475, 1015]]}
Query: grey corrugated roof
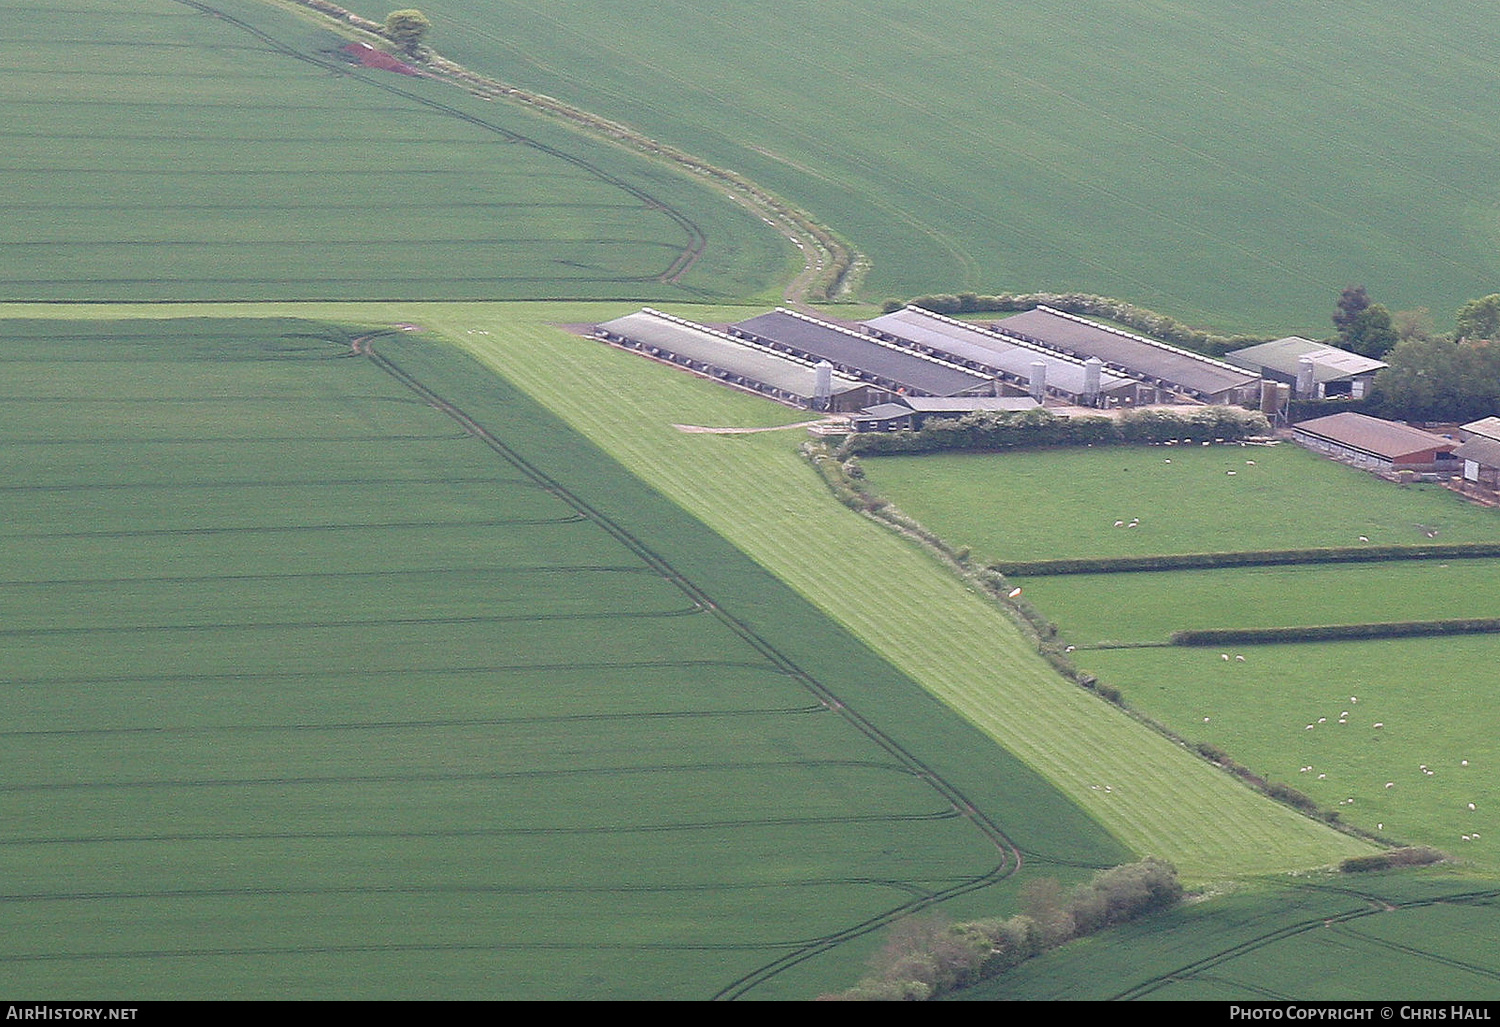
{"points": [[1372, 435], [971, 342], [1330, 364], [862, 355], [969, 404], [704, 345], [886, 411], [1481, 451], [1136, 354]]}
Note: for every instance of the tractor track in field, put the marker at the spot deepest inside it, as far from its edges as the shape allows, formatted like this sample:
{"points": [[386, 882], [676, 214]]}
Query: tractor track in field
{"points": [[1372, 905], [679, 266], [1011, 854], [830, 266]]}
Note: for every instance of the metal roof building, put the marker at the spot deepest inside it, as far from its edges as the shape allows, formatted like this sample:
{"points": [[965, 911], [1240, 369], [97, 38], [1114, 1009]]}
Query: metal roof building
{"points": [[1381, 445], [1201, 377], [912, 411], [1334, 371], [895, 368], [1009, 359], [778, 375]]}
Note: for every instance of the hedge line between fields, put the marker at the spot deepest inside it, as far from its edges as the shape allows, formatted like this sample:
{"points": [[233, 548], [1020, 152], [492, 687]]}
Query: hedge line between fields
{"points": [[1147, 322], [1038, 428], [1248, 558], [1335, 632]]}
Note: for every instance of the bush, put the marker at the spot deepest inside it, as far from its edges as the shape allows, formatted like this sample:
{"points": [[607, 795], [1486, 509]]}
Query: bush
{"points": [[1412, 856]]}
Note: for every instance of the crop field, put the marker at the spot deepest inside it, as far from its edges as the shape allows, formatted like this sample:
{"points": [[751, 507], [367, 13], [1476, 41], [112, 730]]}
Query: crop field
{"points": [[1429, 936], [316, 689], [1110, 148], [1302, 714], [151, 152]]}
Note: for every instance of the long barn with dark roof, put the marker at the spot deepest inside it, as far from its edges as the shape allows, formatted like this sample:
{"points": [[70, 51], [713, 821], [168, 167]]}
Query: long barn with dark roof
{"points": [[1198, 376], [862, 356]]}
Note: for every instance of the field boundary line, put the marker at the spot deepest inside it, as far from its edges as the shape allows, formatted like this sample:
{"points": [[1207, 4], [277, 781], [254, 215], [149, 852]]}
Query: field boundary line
{"points": [[831, 267], [1011, 857], [697, 239]]}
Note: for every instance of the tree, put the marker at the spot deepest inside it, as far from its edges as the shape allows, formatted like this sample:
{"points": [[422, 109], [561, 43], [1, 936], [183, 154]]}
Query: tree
{"points": [[407, 28], [1479, 319], [1371, 333], [1351, 301], [1439, 380]]}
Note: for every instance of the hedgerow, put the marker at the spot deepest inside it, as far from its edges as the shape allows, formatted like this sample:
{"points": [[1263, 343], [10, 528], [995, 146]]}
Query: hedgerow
{"points": [[1335, 632], [1410, 856], [1246, 558], [926, 958], [1147, 322], [1037, 428]]}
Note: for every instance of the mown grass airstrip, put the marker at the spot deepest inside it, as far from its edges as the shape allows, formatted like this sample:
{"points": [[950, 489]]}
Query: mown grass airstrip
{"points": [[314, 691], [152, 152]]}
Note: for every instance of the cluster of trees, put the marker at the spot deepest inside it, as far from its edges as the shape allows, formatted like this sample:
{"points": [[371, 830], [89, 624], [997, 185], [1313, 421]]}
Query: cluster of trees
{"points": [[924, 958], [1432, 376]]}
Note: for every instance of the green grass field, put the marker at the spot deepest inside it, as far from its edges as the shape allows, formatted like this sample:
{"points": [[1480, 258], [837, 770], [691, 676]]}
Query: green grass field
{"points": [[313, 692], [153, 153], [1051, 504], [1430, 696], [1146, 608], [1257, 705], [1110, 148]]}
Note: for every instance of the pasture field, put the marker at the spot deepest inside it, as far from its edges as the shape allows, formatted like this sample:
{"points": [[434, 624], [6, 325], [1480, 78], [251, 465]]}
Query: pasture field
{"points": [[1109, 148], [1412, 937], [1430, 695], [1145, 608], [312, 692], [1050, 504], [151, 152]]}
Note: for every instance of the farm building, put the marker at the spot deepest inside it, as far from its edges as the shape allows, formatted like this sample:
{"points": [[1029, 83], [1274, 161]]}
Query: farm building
{"points": [[1377, 445], [912, 411], [778, 375], [1480, 452], [1178, 370], [1011, 361], [1315, 370], [897, 369]]}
